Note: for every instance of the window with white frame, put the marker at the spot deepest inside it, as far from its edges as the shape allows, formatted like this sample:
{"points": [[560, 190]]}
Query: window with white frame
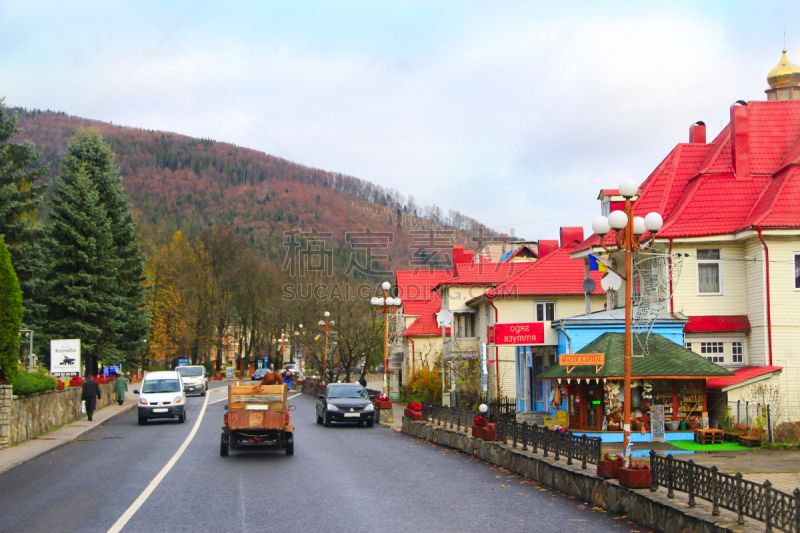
{"points": [[737, 352], [713, 351], [709, 271], [797, 271], [545, 311]]}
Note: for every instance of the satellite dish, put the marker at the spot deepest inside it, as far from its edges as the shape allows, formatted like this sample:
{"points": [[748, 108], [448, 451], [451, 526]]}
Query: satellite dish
{"points": [[444, 318], [589, 286], [611, 282]]}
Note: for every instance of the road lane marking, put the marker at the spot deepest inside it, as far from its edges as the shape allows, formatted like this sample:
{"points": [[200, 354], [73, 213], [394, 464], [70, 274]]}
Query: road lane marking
{"points": [[295, 396], [127, 515]]}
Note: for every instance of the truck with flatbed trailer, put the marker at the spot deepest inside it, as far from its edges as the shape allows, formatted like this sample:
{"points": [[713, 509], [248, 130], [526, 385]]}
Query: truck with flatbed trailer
{"points": [[257, 415]]}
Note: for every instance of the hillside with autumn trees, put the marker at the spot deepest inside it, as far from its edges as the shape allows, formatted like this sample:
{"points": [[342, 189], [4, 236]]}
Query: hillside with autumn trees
{"points": [[176, 182]]}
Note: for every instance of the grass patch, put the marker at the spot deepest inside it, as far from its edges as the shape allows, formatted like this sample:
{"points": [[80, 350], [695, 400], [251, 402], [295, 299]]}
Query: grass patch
{"points": [[695, 447]]}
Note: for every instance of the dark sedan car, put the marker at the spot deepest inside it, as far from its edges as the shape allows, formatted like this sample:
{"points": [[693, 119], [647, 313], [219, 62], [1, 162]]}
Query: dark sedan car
{"points": [[345, 402], [259, 374]]}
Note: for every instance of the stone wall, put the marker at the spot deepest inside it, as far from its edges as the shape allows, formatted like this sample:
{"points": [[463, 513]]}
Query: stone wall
{"points": [[5, 416], [652, 510], [33, 415]]}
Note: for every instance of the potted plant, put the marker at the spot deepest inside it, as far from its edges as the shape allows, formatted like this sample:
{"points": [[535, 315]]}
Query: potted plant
{"points": [[490, 432], [382, 401], [608, 466], [692, 423], [635, 476], [477, 427], [413, 411]]}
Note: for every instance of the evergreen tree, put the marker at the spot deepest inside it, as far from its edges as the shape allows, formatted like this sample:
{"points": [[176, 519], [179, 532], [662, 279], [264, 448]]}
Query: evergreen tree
{"points": [[88, 151], [19, 202], [10, 317], [83, 295]]}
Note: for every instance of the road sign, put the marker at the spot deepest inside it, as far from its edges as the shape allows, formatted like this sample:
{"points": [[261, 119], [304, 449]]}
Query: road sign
{"points": [[183, 362]]}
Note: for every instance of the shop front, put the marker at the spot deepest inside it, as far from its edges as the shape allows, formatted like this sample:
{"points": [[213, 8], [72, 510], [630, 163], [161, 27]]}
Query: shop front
{"points": [[668, 387]]}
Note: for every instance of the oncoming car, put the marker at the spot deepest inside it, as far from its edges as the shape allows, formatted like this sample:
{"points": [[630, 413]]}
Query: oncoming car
{"points": [[194, 378], [161, 397], [345, 402]]}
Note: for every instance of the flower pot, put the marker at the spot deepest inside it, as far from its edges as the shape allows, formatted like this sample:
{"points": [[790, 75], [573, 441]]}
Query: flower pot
{"points": [[613, 427], [477, 432], [672, 425], [608, 469], [637, 425], [634, 478], [413, 415], [489, 434], [691, 426]]}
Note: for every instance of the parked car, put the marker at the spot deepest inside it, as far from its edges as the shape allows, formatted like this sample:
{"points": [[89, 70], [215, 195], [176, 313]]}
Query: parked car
{"points": [[259, 374], [161, 396], [345, 402], [195, 379]]}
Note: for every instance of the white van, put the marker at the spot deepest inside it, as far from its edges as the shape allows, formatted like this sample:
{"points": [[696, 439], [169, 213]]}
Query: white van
{"points": [[161, 396], [195, 379]]}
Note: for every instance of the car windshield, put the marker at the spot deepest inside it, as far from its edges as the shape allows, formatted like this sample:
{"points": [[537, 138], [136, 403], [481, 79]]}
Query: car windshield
{"points": [[348, 392], [161, 385], [190, 371]]}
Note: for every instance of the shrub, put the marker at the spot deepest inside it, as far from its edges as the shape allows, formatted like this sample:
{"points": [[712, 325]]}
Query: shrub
{"points": [[27, 383], [10, 317], [209, 367], [425, 386]]}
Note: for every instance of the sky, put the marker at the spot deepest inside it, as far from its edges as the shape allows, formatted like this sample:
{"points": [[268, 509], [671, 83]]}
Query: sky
{"points": [[515, 113]]}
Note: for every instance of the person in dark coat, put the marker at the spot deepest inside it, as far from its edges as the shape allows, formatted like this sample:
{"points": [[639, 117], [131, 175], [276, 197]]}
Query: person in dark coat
{"points": [[90, 394]]}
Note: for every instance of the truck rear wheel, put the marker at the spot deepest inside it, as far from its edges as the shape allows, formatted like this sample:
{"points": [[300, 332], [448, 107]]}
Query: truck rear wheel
{"points": [[223, 445], [290, 446]]}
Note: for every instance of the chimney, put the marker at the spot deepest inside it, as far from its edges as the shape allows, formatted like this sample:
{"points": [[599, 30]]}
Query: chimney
{"points": [[570, 235], [458, 254], [546, 247], [697, 132], [469, 256], [740, 140]]}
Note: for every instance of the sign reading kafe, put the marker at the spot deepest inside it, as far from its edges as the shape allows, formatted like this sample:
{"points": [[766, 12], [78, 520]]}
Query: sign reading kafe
{"points": [[521, 334], [65, 356], [582, 359]]}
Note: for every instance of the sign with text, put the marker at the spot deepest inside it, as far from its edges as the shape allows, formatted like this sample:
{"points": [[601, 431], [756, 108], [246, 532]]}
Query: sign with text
{"points": [[519, 334], [484, 368], [582, 359], [65, 356]]}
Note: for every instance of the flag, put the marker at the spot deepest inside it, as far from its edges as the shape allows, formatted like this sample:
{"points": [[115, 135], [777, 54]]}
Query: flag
{"points": [[598, 262], [317, 336]]}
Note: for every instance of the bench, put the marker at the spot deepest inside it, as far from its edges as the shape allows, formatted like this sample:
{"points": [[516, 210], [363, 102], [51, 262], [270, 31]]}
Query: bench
{"points": [[739, 430], [753, 439]]}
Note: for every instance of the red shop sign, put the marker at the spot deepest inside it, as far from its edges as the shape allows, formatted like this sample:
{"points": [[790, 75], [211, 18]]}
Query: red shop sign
{"points": [[525, 333]]}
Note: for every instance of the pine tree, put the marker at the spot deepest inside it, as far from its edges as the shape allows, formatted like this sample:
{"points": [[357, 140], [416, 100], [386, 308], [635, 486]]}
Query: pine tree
{"points": [[19, 202], [10, 316], [83, 296], [88, 151]]}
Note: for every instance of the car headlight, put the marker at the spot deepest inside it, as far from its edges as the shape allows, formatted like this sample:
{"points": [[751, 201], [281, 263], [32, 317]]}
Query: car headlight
{"points": [[369, 407], [332, 407], [177, 399]]}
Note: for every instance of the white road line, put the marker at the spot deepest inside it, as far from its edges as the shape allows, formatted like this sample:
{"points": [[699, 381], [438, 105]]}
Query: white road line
{"points": [[127, 515], [295, 396], [215, 401]]}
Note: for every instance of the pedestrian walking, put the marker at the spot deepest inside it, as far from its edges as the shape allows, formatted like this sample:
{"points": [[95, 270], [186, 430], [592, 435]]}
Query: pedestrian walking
{"points": [[120, 388], [90, 394], [287, 377]]}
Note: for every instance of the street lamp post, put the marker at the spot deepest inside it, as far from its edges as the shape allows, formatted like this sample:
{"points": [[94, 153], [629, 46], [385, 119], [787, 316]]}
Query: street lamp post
{"points": [[629, 230], [385, 306], [325, 325]]}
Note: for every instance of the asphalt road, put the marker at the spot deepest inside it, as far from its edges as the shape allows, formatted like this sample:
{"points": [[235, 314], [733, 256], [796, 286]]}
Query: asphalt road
{"points": [[341, 479]]}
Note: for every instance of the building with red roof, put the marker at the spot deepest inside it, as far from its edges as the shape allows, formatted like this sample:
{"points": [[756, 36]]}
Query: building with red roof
{"points": [[731, 210]]}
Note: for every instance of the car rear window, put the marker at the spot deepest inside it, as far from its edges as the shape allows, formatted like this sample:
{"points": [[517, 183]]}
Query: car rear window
{"points": [[161, 385]]}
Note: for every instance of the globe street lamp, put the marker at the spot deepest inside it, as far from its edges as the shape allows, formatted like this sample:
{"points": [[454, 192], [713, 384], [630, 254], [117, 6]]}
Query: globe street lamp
{"points": [[384, 306], [629, 230], [325, 325]]}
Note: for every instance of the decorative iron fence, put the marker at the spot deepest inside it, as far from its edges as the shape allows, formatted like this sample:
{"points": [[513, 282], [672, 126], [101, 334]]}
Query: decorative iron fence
{"points": [[775, 508], [498, 407], [574, 447]]}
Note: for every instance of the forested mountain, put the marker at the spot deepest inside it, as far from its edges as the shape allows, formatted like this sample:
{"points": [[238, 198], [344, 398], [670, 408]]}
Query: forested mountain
{"points": [[182, 183]]}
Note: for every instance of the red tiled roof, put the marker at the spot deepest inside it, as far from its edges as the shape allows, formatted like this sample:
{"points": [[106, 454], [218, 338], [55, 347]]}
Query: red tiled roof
{"points": [[415, 307], [740, 376], [695, 189], [419, 284], [717, 323], [426, 324], [485, 273], [554, 274]]}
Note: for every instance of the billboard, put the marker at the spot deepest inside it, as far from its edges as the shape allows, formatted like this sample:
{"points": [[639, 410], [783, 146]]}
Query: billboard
{"points": [[518, 334], [65, 356]]}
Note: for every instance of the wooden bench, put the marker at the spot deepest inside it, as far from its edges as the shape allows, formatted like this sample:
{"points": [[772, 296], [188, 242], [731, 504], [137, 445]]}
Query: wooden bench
{"points": [[753, 439], [739, 430], [709, 436]]}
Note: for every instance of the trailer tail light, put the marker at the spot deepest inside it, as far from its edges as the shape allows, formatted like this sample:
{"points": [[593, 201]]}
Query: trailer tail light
{"points": [[225, 419], [288, 418]]}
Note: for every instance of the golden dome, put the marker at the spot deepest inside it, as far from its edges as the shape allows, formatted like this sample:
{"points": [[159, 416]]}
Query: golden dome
{"points": [[784, 74]]}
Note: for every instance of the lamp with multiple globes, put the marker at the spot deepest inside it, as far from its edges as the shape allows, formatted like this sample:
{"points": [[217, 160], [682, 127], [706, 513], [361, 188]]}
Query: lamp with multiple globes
{"points": [[629, 233], [325, 325], [385, 306]]}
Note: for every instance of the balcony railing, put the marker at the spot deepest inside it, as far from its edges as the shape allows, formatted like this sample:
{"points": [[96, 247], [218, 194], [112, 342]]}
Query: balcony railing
{"points": [[468, 348]]}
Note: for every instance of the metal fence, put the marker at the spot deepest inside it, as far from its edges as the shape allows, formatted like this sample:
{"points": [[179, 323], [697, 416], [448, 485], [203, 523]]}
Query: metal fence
{"points": [[746, 498], [529, 436], [781, 423]]}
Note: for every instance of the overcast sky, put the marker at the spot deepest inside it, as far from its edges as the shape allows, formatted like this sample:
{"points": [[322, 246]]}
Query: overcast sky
{"points": [[514, 113]]}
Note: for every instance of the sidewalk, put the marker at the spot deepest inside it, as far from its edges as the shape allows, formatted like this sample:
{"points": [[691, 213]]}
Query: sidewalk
{"points": [[16, 455]]}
